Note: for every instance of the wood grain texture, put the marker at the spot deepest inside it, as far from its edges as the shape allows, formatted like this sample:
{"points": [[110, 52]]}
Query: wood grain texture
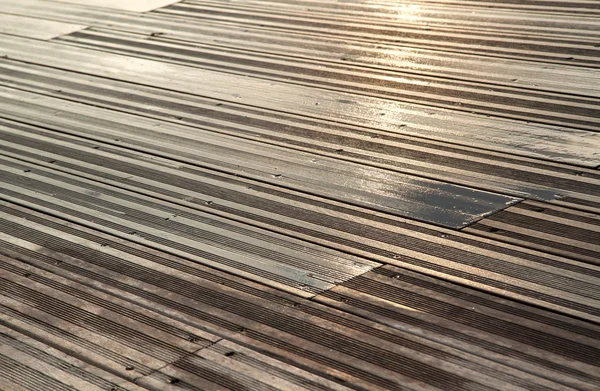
{"points": [[295, 195]]}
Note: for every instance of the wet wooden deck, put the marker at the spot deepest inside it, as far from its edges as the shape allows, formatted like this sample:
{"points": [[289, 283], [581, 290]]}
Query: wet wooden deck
{"points": [[265, 195]]}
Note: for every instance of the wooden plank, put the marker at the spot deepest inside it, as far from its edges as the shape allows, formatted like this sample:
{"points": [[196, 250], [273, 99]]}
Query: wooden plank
{"points": [[346, 349], [231, 366], [584, 7], [578, 51], [553, 229], [129, 5], [572, 145], [491, 18], [539, 342], [35, 28], [35, 180], [449, 163], [253, 253], [485, 98], [402, 195], [38, 366], [331, 50]]}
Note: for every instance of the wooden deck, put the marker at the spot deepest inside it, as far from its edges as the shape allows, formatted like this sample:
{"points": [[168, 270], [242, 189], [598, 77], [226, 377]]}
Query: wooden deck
{"points": [[263, 195]]}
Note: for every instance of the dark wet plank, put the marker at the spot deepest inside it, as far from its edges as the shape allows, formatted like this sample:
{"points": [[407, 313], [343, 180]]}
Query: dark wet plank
{"points": [[556, 230], [402, 195]]}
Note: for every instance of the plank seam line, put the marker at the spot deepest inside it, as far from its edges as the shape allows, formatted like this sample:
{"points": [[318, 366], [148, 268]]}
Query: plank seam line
{"points": [[190, 354], [492, 213]]}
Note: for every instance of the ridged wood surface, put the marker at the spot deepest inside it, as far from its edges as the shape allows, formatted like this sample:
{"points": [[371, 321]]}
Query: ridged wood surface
{"points": [[299, 195]]}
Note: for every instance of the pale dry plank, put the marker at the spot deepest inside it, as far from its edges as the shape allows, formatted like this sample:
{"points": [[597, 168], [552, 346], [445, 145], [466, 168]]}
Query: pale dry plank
{"points": [[128, 5], [568, 144], [35, 28], [403, 195]]}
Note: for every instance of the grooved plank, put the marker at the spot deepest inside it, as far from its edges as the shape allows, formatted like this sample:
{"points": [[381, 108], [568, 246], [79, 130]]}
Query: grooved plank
{"points": [[578, 51], [495, 172], [39, 179], [536, 341], [553, 229], [231, 366], [35, 28], [464, 96], [329, 50], [586, 7], [397, 152], [129, 5], [299, 195], [401, 195], [40, 366], [493, 18], [572, 146], [93, 326], [254, 253], [346, 349]]}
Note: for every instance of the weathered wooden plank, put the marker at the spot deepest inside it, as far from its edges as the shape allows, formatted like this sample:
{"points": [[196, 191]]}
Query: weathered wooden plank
{"points": [[373, 188], [580, 50], [257, 254], [32, 179], [35, 365], [539, 342], [486, 98], [129, 5], [344, 348], [549, 228], [331, 50], [449, 163], [558, 143], [35, 28]]}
